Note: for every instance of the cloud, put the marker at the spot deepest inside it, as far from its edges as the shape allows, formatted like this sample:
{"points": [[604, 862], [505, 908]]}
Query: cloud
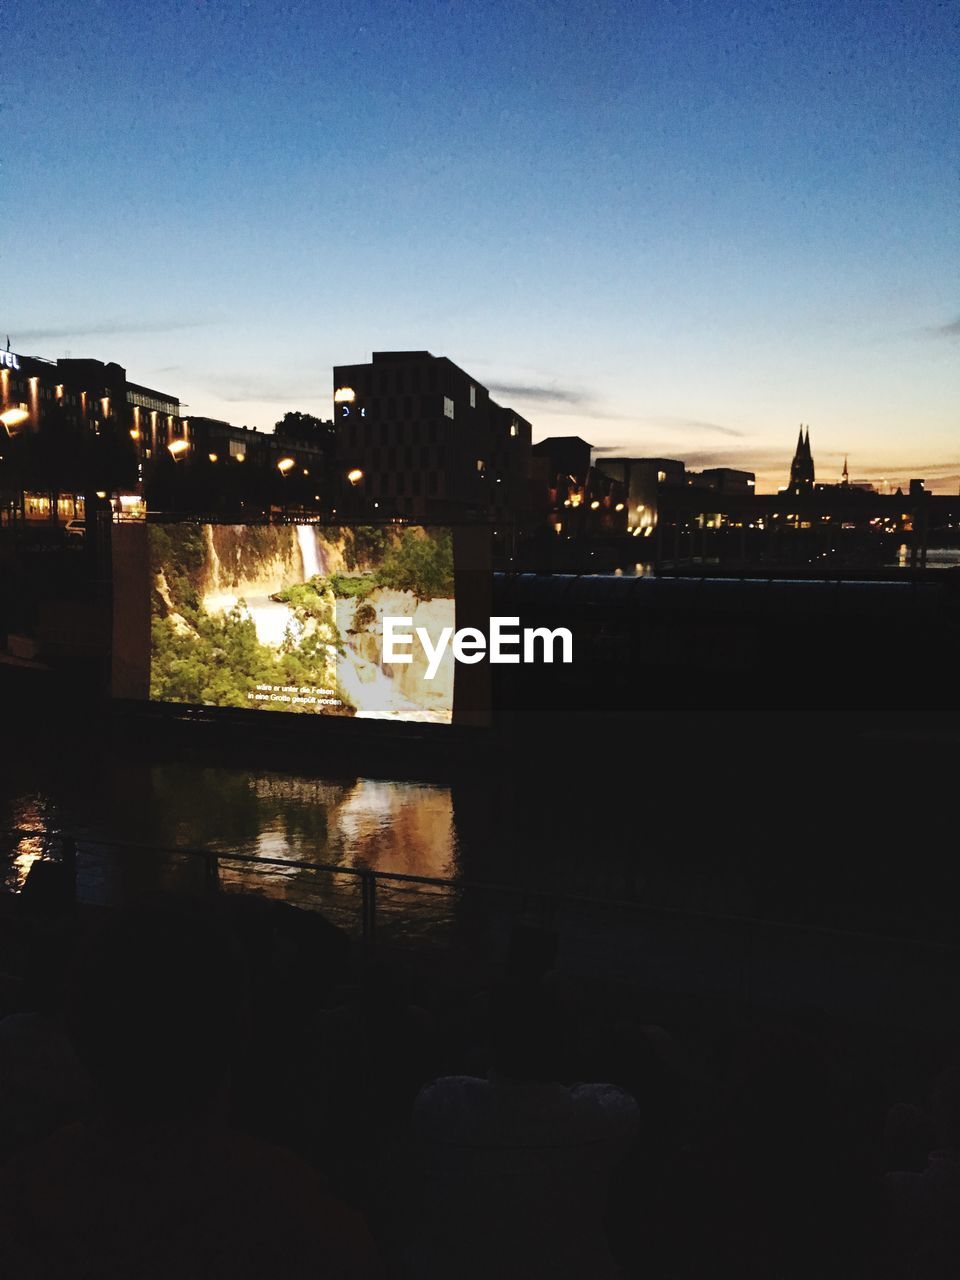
{"points": [[950, 330], [266, 391], [740, 459], [107, 328], [544, 394], [692, 424], [933, 471]]}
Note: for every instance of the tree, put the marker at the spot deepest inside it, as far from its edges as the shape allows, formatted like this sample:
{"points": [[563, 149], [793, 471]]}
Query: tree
{"points": [[421, 563], [306, 428]]}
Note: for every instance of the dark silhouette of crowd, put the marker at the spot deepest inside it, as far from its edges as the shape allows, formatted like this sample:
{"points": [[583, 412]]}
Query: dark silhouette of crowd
{"points": [[231, 1087]]}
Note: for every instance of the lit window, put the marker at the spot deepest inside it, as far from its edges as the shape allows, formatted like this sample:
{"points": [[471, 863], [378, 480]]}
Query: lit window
{"points": [[480, 464], [447, 407], [514, 428], [473, 397]]}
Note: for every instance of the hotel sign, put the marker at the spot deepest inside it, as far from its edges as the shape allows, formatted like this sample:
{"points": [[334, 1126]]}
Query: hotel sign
{"points": [[8, 360]]}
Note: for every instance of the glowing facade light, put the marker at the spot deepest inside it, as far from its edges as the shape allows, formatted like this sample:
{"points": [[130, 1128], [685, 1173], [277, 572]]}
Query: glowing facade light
{"points": [[212, 457], [101, 493], [355, 476], [594, 505], [285, 465], [344, 395], [618, 507], [134, 433], [177, 448]]}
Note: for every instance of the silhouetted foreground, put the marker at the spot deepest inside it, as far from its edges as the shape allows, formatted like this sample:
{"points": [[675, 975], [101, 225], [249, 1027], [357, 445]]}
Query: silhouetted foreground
{"points": [[227, 1089]]}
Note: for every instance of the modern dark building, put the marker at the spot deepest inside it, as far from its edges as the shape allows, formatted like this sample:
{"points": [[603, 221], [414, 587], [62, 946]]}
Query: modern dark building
{"points": [[418, 437], [725, 480], [77, 432], [74, 431], [567, 455], [643, 479], [575, 498]]}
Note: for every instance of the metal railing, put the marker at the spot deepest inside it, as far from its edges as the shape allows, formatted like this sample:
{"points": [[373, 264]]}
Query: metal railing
{"points": [[547, 900], [906, 981]]}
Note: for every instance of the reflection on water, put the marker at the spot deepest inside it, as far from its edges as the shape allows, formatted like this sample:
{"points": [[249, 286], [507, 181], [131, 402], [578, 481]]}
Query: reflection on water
{"points": [[937, 557], [355, 822]]}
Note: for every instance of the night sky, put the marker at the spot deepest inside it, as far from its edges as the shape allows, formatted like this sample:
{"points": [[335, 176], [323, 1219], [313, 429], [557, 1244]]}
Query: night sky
{"points": [[671, 228]]}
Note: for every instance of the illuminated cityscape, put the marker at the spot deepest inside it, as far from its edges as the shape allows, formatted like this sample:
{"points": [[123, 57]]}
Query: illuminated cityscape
{"points": [[479, 636], [412, 436]]}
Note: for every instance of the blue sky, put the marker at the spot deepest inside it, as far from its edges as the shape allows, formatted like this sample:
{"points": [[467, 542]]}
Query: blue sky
{"points": [[671, 228]]}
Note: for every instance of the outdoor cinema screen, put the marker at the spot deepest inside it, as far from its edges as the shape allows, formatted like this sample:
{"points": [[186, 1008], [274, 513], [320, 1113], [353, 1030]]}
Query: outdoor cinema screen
{"points": [[290, 618]]}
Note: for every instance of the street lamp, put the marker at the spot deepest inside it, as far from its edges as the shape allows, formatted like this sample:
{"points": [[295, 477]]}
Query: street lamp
{"points": [[355, 476], [14, 417], [285, 465]]}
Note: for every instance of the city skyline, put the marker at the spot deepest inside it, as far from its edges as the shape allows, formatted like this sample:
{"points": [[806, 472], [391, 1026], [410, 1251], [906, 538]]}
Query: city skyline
{"points": [[675, 232]]}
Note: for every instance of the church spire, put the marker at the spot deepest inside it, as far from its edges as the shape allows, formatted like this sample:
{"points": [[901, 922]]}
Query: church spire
{"points": [[801, 469]]}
